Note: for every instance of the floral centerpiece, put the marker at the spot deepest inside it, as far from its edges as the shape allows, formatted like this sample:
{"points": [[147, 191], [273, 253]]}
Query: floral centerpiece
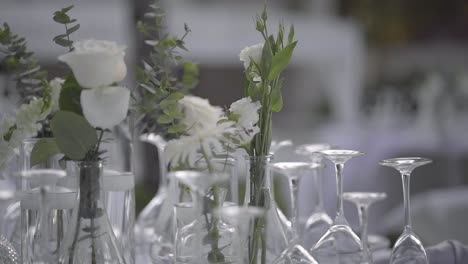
{"points": [[263, 64]]}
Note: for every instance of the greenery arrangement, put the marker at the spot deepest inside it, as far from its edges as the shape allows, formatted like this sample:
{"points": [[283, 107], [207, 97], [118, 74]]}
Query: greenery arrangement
{"points": [[160, 85], [264, 64]]}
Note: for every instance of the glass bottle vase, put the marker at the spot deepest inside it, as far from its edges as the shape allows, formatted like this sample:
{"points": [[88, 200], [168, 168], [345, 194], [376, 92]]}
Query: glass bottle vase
{"points": [[90, 238], [268, 237]]}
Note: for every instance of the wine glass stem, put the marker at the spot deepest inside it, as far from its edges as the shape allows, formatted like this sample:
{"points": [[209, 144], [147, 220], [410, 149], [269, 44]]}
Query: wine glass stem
{"points": [[44, 227], [339, 189], [406, 197], [294, 185], [363, 219], [318, 189]]}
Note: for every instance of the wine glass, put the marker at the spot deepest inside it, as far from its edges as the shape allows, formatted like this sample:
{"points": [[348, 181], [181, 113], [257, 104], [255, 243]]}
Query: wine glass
{"points": [[41, 251], [241, 217], [294, 171], [340, 244], [363, 200], [205, 239], [408, 248], [317, 224], [8, 254]]}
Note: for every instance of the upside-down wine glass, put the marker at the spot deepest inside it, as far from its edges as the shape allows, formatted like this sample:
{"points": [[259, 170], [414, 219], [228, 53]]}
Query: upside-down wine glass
{"points": [[408, 248], [241, 217], [363, 200], [294, 171], [41, 248], [317, 224], [8, 254], [340, 245], [195, 243]]}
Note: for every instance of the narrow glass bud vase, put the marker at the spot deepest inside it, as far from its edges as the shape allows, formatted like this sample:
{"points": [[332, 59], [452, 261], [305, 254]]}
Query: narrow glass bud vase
{"points": [[268, 237], [90, 238]]}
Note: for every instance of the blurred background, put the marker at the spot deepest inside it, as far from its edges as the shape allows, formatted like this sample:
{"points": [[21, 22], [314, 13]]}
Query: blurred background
{"points": [[388, 77]]}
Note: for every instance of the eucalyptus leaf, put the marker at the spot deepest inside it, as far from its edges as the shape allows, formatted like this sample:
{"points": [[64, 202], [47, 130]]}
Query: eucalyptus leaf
{"points": [[63, 42], [69, 99], [61, 18], [281, 60], [74, 136], [165, 119], [43, 150], [73, 29]]}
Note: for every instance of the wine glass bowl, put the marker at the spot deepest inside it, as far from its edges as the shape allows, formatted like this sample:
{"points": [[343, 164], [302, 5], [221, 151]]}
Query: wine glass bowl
{"points": [[405, 165], [340, 156]]}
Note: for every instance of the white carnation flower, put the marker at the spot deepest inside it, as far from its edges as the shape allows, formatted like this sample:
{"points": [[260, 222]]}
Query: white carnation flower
{"points": [[199, 114], [246, 113], [56, 86], [186, 150], [251, 53]]}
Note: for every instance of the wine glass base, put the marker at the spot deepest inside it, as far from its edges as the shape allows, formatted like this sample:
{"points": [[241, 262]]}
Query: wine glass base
{"points": [[408, 249], [340, 245]]}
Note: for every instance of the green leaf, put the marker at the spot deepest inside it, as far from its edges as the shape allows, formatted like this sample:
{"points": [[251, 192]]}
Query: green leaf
{"points": [[66, 9], [291, 35], [281, 60], [61, 18], [165, 119], [63, 42], [175, 96], [267, 55], [43, 150], [191, 69], [74, 135], [177, 128], [73, 29], [277, 100], [61, 36], [69, 99]]}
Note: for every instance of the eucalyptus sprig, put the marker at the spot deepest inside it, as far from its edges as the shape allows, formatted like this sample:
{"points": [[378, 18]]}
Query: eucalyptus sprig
{"points": [[159, 84], [63, 18], [18, 61]]}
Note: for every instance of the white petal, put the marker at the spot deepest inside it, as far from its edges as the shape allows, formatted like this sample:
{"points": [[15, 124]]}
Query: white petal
{"points": [[105, 107]]}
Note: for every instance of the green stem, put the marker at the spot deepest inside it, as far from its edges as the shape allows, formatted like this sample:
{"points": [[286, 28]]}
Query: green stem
{"points": [[215, 255]]}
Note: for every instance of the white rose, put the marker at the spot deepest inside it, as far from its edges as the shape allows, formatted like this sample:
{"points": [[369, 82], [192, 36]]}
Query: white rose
{"points": [[96, 63], [105, 107], [251, 53], [56, 86], [199, 113]]}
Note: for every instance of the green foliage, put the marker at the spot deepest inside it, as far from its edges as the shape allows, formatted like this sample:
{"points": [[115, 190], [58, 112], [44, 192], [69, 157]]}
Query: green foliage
{"points": [[20, 63], [43, 149], [69, 99], [74, 136], [160, 85], [276, 55], [63, 18]]}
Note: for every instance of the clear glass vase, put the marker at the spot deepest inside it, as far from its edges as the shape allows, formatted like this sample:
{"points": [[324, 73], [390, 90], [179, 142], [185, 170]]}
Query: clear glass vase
{"points": [[202, 236], [268, 237], [60, 198], [119, 190], [90, 238], [154, 229]]}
